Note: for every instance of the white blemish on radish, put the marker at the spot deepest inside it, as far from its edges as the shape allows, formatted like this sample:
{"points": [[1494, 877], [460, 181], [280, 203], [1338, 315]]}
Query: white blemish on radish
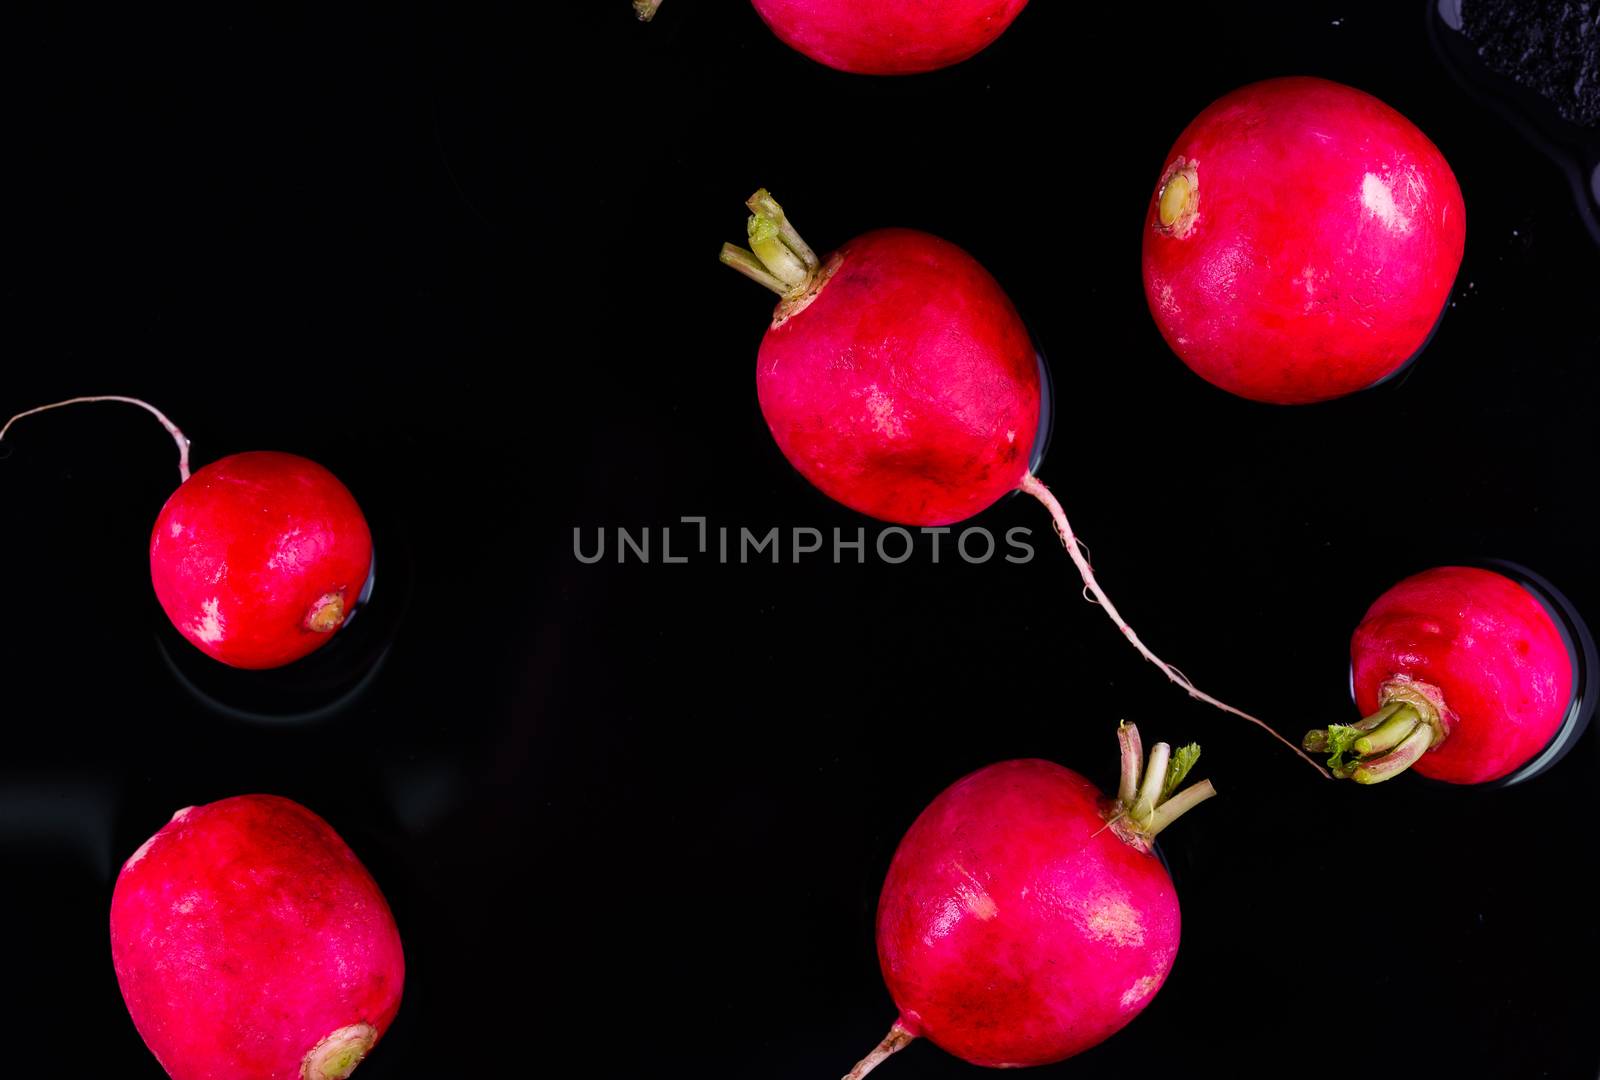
{"points": [[144, 849], [287, 554], [970, 898], [1011, 436], [1138, 992], [177, 530], [1378, 199], [949, 914], [1112, 918], [210, 627], [881, 408], [284, 556], [975, 897]]}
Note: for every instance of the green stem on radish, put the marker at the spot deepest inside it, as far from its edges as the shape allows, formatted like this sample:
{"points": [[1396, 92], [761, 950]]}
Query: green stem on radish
{"points": [[1155, 774], [646, 9], [1180, 804], [1409, 723], [1149, 797], [1132, 758], [777, 257], [897, 1040], [1389, 734], [751, 267], [172, 429]]}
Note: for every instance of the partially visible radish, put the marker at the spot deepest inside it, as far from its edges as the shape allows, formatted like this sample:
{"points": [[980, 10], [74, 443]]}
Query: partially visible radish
{"points": [[1464, 676], [1301, 242], [251, 944], [1025, 917], [898, 378], [259, 557], [882, 37]]}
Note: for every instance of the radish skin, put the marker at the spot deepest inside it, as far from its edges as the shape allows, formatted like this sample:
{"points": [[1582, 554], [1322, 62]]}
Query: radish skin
{"points": [[882, 37], [1461, 676], [1025, 918], [260, 558], [1301, 242], [250, 943], [925, 443], [889, 37], [898, 378]]}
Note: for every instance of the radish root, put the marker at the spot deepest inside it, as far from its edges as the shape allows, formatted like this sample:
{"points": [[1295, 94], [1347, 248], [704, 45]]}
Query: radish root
{"points": [[172, 429], [897, 1040], [1096, 595]]}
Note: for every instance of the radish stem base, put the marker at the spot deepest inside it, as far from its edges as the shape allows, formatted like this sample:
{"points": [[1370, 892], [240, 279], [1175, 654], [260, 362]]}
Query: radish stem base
{"points": [[1410, 722]]}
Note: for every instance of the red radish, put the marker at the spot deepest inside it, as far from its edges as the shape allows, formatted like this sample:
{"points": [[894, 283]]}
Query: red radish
{"points": [[883, 37], [1302, 241], [251, 944], [1025, 917], [925, 444], [257, 558], [1463, 676], [898, 378]]}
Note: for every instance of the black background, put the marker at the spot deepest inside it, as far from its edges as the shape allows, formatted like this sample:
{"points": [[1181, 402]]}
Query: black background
{"points": [[633, 818]]}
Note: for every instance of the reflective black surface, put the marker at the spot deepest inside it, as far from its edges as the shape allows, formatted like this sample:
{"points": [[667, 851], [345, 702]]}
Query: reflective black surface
{"points": [[633, 818]]}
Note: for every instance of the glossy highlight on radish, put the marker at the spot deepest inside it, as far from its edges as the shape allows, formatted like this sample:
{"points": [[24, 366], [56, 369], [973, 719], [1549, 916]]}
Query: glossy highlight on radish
{"points": [[250, 943], [1301, 242], [882, 37], [1025, 917], [898, 378], [1463, 676], [258, 558]]}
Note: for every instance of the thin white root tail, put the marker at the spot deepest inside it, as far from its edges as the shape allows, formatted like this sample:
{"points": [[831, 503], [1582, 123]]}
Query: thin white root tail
{"points": [[172, 429], [1095, 594]]}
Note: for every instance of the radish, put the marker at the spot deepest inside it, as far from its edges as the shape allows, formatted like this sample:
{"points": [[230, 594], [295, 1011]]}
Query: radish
{"points": [[882, 37], [1301, 242], [250, 943], [259, 557], [1463, 676], [1025, 917], [898, 378]]}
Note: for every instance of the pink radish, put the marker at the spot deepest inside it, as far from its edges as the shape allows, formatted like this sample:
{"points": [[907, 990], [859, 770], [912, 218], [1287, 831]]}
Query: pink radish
{"points": [[251, 944], [1463, 675], [258, 558], [1025, 917], [882, 37], [1301, 242], [898, 378]]}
